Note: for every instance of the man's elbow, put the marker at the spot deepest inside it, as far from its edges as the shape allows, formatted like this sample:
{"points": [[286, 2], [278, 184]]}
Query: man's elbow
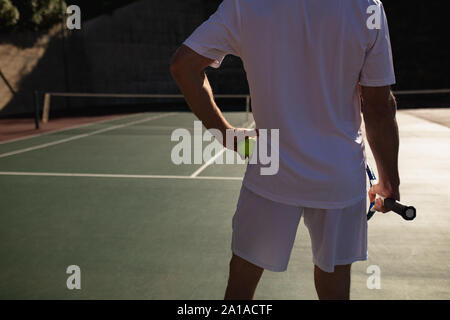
{"points": [[179, 63], [393, 103], [177, 66], [378, 102], [186, 61]]}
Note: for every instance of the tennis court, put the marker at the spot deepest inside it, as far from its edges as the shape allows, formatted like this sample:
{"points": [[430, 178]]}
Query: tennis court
{"points": [[107, 197]]}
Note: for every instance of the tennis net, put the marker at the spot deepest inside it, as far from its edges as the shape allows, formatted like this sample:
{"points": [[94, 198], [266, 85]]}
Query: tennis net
{"points": [[110, 103], [417, 99], [115, 102]]}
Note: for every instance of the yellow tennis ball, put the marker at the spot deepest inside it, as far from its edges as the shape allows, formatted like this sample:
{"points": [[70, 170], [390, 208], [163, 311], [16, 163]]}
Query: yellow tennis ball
{"points": [[246, 147]]}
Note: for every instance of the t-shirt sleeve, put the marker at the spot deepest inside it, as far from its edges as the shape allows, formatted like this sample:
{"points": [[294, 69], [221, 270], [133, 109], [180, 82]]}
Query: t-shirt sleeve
{"points": [[219, 35], [378, 68]]}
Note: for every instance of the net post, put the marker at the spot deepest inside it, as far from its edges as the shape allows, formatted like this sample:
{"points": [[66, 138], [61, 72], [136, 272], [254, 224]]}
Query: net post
{"points": [[46, 110], [247, 108], [36, 109]]}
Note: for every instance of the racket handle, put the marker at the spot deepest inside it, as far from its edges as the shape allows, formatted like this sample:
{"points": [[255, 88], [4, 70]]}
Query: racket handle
{"points": [[407, 213]]}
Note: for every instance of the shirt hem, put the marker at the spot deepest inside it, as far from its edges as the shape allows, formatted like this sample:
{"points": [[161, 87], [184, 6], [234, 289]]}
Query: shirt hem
{"points": [[378, 83], [304, 203]]}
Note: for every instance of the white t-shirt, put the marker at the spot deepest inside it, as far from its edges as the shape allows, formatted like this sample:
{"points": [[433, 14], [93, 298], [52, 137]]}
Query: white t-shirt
{"points": [[304, 60]]}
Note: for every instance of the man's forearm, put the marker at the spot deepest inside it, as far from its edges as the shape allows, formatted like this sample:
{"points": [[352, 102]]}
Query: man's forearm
{"points": [[199, 96], [383, 136]]}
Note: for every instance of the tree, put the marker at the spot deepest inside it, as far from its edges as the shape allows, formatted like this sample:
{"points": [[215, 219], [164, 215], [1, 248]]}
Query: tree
{"points": [[9, 15], [39, 14]]}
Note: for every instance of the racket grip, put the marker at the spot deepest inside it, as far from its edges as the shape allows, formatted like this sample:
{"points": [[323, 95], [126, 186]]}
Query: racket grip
{"points": [[406, 212]]}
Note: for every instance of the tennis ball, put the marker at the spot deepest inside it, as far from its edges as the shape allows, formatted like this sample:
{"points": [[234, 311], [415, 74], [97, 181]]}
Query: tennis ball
{"points": [[245, 148]]}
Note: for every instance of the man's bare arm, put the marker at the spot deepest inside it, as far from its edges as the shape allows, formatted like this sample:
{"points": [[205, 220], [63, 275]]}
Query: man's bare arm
{"points": [[379, 108], [187, 68]]}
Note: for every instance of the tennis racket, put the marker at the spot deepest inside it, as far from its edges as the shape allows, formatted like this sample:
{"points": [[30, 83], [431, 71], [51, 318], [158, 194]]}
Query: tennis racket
{"points": [[406, 212]]}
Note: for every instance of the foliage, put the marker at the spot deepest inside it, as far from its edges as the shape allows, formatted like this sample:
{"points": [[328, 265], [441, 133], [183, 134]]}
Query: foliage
{"points": [[9, 15], [39, 14]]}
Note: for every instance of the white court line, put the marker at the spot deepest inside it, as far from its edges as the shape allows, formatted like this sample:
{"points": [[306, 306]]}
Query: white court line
{"points": [[115, 176], [207, 164], [70, 128], [211, 161], [80, 136]]}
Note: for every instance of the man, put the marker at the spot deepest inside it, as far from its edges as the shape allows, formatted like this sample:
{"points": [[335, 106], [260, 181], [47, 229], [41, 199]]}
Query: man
{"points": [[308, 64]]}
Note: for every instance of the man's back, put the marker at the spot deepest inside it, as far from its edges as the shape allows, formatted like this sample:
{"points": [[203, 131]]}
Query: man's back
{"points": [[304, 60]]}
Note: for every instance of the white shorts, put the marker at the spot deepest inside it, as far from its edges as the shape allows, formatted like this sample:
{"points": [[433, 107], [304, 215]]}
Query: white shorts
{"points": [[264, 232]]}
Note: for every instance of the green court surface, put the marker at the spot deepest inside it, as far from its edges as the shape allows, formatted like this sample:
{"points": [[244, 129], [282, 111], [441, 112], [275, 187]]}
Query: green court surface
{"points": [[108, 198]]}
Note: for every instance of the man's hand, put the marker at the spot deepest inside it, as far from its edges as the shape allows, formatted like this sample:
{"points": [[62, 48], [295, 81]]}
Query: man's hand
{"points": [[385, 192], [238, 135]]}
